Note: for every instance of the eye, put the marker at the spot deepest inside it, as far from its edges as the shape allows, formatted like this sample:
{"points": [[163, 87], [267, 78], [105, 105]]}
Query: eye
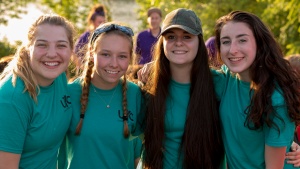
{"points": [[169, 37], [242, 40], [187, 37], [104, 54], [123, 56], [225, 42], [42, 45], [62, 46]]}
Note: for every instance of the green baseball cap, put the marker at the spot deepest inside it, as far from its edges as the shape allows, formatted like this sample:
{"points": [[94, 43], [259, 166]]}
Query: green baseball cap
{"points": [[184, 19]]}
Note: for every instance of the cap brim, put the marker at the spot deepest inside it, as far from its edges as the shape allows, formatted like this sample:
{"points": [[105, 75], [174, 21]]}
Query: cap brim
{"points": [[187, 29]]}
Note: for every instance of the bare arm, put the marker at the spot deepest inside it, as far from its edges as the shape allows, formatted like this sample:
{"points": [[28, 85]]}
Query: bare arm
{"points": [[274, 157], [9, 160]]}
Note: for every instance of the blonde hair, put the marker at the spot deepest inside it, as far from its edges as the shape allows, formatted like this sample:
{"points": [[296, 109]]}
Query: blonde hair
{"points": [[20, 67], [85, 77]]}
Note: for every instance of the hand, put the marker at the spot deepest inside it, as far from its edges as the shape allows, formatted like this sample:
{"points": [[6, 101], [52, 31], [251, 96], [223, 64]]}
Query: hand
{"points": [[293, 157], [144, 72]]}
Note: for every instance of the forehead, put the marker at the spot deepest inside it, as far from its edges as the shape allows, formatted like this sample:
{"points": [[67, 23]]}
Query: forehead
{"points": [[154, 15], [51, 33], [235, 28], [119, 41]]}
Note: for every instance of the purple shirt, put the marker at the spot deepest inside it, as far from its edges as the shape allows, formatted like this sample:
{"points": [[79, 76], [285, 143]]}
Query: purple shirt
{"points": [[145, 41], [80, 44]]}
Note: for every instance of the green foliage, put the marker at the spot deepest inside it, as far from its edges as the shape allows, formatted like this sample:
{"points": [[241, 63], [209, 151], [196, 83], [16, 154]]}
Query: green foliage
{"points": [[75, 10], [12, 9], [6, 48], [282, 16]]}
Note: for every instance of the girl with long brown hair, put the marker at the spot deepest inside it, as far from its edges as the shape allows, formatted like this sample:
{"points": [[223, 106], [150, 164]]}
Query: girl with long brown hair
{"points": [[182, 125], [259, 93]]}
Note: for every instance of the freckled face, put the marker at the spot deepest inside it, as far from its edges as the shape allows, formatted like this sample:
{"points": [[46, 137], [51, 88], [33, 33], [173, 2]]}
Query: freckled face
{"points": [[49, 53], [112, 58], [238, 48]]}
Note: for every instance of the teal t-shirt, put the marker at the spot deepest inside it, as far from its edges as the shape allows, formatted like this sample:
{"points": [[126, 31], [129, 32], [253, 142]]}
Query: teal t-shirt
{"points": [[136, 144], [101, 143], [245, 147], [175, 118], [34, 130], [176, 109]]}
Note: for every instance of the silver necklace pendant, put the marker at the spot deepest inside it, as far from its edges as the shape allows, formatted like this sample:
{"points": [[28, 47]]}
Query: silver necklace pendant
{"points": [[107, 104]]}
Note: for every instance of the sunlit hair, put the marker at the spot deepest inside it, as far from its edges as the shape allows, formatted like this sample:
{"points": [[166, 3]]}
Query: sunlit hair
{"points": [[295, 62], [20, 67], [202, 145], [269, 71], [89, 69]]}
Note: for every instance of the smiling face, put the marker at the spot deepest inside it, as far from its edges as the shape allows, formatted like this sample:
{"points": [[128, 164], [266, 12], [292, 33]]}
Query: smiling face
{"points": [[238, 48], [111, 60], [50, 53], [180, 47]]}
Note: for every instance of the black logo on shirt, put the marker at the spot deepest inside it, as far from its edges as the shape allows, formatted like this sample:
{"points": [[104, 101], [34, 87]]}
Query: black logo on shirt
{"points": [[65, 101], [129, 115]]}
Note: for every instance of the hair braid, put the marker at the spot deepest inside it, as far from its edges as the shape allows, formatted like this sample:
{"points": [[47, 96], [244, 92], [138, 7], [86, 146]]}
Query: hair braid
{"points": [[85, 92], [125, 111]]}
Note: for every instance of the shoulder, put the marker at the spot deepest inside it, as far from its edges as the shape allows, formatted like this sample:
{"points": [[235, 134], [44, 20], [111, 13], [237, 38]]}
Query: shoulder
{"points": [[85, 34], [14, 95], [133, 86], [75, 85], [144, 32]]}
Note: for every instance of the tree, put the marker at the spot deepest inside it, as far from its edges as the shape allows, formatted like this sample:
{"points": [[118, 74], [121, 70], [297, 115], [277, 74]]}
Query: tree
{"points": [[282, 16], [6, 48], [12, 9]]}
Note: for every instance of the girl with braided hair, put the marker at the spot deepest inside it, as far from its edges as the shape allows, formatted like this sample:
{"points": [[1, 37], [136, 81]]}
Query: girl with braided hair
{"points": [[103, 116]]}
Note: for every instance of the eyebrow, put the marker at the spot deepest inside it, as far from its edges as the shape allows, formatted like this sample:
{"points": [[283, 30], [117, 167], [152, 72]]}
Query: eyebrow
{"points": [[238, 36], [42, 40], [170, 31]]}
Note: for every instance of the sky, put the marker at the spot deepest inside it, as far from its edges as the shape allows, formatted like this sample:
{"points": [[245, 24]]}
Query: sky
{"points": [[16, 29]]}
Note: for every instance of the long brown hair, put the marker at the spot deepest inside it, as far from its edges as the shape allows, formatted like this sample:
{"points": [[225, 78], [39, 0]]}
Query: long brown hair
{"points": [[268, 71], [202, 145], [86, 77]]}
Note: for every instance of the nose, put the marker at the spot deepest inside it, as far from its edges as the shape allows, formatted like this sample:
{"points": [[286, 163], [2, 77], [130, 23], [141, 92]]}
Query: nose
{"points": [[233, 48], [114, 61], [178, 42], [51, 51]]}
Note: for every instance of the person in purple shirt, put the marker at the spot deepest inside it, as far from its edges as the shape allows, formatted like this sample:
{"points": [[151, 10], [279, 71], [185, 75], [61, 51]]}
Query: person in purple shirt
{"points": [[96, 17], [147, 38]]}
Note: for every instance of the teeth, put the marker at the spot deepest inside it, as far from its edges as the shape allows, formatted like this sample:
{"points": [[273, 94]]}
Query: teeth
{"points": [[179, 52], [235, 59], [111, 72], [51, 63]]}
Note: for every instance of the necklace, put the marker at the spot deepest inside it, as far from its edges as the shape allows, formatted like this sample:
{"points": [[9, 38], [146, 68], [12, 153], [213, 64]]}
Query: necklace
{"points": [[107, 104]]}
